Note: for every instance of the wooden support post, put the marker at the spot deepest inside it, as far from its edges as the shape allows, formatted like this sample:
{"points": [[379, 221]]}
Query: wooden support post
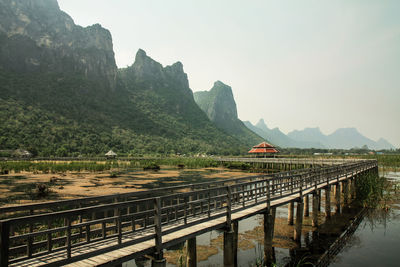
{"points": [[30, 239], [191, 258], [328, 201], [315, 202], [119, 226], [306, 206], [269, 223], [228, 207], [299, 221], [319, 199], [4, 243], [290, 212], [345, 193], [159, 260], [68, 238], [80, 221], [354, 186], [337, 197], [49, 237], [228, 247], [235, 228]]}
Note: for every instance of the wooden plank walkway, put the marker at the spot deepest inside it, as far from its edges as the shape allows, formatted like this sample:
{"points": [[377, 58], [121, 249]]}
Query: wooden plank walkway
{"points": [[108, 234]]}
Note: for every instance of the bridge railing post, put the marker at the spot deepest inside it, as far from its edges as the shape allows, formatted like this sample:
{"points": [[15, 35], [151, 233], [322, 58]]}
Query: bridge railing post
{"points": [[68, 238], [157, 226], [268, 195], [301, 187], [185, 211], [228, 207], [4, 243]]}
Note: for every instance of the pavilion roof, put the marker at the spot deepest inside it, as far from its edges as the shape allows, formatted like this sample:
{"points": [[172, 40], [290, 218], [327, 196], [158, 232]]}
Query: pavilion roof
{"points": [[264, 147]]}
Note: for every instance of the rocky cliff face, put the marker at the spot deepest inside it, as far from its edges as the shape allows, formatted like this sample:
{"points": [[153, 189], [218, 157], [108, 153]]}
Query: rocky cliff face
{"points": [[153, 75], [168, 84], [218, 103], [220, 107], [36, 36]]}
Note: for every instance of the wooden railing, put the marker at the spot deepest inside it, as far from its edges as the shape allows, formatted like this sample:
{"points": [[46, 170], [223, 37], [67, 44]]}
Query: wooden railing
{"points": [[297, 161], [132, 221], [61, 205]]}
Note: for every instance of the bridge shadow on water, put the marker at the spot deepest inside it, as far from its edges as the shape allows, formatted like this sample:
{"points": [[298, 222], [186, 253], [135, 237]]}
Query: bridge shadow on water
{"points": [[314, 244]]}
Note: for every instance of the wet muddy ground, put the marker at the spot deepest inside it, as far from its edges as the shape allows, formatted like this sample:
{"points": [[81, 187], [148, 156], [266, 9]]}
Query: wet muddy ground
{"points": [[19, 188]]}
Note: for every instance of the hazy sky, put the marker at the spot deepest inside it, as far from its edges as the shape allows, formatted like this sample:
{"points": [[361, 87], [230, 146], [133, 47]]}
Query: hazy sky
{"points": [[295, 63]]}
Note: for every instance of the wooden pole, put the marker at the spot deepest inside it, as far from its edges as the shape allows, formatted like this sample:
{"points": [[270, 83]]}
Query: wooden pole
{"points": [[306, 206], [228, 247], [319, 199], [290, 212], [4, 243], [315, 201], [235, 228], [159, 260], [345, 193], [328, 201], [337, 197], [269, 223], [299, 221], [191, 258]]}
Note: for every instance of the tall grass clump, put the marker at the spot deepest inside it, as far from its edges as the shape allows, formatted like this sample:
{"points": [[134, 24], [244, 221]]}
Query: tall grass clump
{"points": [[370, 189]]}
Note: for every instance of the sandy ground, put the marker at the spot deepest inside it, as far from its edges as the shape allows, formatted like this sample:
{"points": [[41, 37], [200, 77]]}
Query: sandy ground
{"points": [[18, 188]]}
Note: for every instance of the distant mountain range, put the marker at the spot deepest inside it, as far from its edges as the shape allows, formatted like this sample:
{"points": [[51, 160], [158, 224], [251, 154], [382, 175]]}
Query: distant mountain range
{"points": [[343, 138]]}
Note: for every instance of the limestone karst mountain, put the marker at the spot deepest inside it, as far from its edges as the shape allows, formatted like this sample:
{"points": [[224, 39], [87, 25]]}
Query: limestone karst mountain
{"points": [[62, 94], [220, 107]]}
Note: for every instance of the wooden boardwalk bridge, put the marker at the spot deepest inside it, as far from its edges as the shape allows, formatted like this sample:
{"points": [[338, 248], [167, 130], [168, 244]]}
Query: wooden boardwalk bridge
{"points": [[109, 230]]}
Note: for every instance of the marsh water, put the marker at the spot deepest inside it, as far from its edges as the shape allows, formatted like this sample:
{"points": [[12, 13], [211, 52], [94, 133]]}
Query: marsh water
{"points": [[375, 242]]}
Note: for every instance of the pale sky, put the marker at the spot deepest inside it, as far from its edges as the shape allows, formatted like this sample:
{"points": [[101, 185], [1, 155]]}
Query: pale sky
{"points": [[296, 64]]}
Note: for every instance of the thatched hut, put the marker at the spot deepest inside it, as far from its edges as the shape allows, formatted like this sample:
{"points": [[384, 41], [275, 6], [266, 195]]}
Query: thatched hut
{"points": [[111, 154], [22, 153]]}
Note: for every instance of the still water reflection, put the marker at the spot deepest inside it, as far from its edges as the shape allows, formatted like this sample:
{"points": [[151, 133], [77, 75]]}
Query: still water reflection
{"points": [[376, 241]]}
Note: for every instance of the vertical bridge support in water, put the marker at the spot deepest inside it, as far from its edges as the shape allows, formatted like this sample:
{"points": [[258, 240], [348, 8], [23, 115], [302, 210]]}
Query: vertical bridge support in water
{"points": [[315, 204], [191, 252], [319, 199], [229, 247], [337, 197], [290, 212], [235, 227], [269, 226], [229, 233], [299, 220], [158, 260], [345, 185], [328, 201], [306, 206]]}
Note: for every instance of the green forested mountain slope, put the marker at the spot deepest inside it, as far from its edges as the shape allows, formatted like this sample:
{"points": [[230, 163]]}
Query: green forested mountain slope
{"points": [[61, 93]]}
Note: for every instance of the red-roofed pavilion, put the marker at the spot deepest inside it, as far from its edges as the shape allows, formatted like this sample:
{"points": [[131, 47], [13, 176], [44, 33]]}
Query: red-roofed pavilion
{"points": [[264, 149]]}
